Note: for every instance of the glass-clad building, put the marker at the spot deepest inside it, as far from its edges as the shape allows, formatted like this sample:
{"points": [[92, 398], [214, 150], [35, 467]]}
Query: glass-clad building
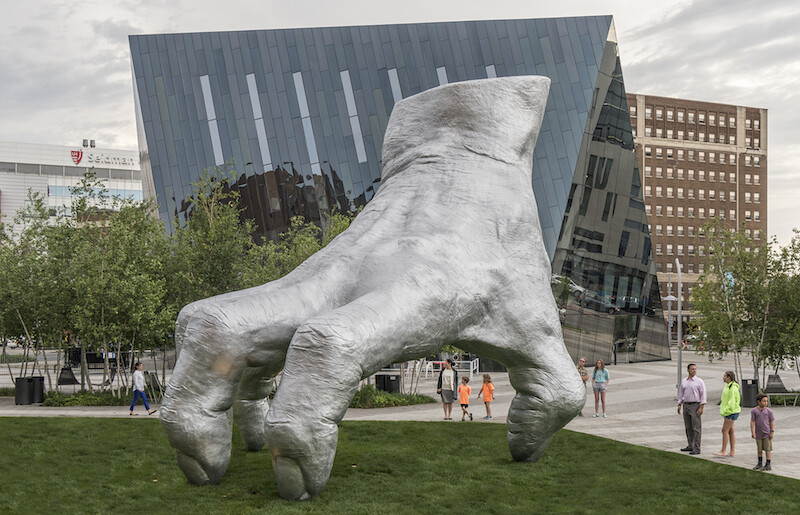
{"points": [[299, 114]]}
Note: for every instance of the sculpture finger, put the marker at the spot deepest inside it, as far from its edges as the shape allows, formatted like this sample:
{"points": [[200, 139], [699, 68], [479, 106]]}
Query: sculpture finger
{"points": [[549, 389], [327, 358], [218, 339], [252, 404]]}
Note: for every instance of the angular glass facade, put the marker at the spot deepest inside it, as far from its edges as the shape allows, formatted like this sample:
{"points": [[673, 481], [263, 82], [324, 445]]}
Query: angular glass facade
{"points": [[301, 113]]}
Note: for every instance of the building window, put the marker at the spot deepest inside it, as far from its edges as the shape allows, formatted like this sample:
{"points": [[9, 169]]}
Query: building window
{"points": [[756, 198], [648, 112], [680, 134], [680, 249], [722, 195], [732, 213], [748, 123], [659, 172], [691, 175], [691, 252], [690, 136], [701, 117], [756, 234], [701, 156], [701, 175], [701, 136], [670, 230], [733, 122], [659, 191], [670, 153], [680, 115], [669, 250], [755, 143], [711, 137], [732, 158], [722, 176], [690, 193], [712, 119], [722, 159], [670, 115], [670, 134], [701, 213], [747, 142], [756, 124], [747, 178], [669, 266], [670, 192], [700, 268], [658, 249], [680, 211], [680, 173], [691, 116], [722, 120], [712, 175], [648, 152], [659, 113], [648, 171], [756, 160], [659, 152], [670, 174], [712, 212], [659, 133], [747, 160], [632, 110], [747, 197], [648, 210], [748, 217], [732, 196], [732, 139], [670, 211], [648, 192], [712, 157], [633, 131], [680, 192], [658, 265], [659, 210], [757, 216], [659, 230], [648, 132], [712, 195], [680, 230], [690, 153], [690, 230], [756, 180]]}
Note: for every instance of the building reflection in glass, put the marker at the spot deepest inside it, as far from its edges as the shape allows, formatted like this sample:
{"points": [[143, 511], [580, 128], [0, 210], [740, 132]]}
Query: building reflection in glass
{"points": [[613, 309]]}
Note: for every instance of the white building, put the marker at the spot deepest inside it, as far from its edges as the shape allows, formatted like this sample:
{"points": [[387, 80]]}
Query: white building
{"points": [[52, 169]]}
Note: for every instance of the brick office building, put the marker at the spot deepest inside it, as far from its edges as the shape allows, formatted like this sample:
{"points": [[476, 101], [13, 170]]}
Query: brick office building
{"points": [[698, 161]]}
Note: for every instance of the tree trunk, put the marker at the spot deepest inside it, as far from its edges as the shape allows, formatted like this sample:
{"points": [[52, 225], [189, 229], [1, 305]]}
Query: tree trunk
{"points": [[85, 367], [58, 364], [11, 372], [46, 365]]}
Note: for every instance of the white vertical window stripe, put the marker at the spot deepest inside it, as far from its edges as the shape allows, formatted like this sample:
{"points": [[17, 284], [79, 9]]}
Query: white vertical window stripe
{"points": [[394, 82], [205, 85], [441, 72], [261, 129], [355, 126], [216, 144], [491, 72], [211, 115], [308, 131]]}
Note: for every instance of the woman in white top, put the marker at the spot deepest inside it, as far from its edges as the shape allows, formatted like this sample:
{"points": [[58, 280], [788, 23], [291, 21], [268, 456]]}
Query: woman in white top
{"points": [[138, 390], [448, 381]]}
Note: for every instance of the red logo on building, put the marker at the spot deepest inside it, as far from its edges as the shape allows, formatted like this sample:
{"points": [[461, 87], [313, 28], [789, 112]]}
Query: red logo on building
{"points": [[77, 155]]}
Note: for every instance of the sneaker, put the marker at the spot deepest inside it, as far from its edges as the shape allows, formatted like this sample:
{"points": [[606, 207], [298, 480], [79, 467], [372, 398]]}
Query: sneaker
{"points": [[767, 467], [686, 449], [758, 467], [470, 417], [694, 452], [605, 416], [580, 414], [595, 415]]}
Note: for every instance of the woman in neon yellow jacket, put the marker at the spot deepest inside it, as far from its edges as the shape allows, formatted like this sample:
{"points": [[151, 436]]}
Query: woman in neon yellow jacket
{"points": [[730, 409]]}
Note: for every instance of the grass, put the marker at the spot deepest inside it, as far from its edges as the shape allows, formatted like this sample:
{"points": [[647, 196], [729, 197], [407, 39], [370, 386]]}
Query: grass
{"points": [[14, 358], [126, 466], [370, 397]]}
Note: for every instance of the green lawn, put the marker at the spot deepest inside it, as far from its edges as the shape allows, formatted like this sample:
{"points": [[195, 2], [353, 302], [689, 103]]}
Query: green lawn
{"points": [[52, 465]]}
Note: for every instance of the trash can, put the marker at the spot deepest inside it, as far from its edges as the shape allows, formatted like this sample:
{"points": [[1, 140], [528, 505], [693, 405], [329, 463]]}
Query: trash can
{"points": [[388, 383], [23, 390], [749, 392], [37, 389]]}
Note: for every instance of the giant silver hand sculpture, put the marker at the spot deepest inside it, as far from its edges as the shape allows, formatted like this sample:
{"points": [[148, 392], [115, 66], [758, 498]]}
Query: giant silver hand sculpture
{"points": [[448, 251]]}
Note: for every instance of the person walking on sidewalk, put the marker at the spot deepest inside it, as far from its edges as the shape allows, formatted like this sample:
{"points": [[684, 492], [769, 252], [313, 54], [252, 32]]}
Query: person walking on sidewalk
{"points": [[487, 390], [729, 408], [464, 391], [692, 397], [584, 377], [762, 429], [446, 387], [138, 390], [600, 379]]}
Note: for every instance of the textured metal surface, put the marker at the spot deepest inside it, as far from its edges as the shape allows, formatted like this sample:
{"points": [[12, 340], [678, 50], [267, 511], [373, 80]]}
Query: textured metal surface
{"points": [[448, 251]]}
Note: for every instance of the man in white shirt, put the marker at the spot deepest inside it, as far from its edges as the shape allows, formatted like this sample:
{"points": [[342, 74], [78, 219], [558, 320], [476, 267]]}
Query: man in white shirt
{"points": [[692, 396], [138, 390]]}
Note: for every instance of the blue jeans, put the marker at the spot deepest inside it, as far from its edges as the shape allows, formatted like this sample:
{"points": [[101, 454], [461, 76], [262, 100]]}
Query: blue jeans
{"points": [[136, 395]]}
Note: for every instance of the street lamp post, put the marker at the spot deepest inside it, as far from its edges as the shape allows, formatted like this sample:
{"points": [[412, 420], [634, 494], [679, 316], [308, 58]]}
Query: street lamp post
{"points": [[670, 298], [680, 323]]}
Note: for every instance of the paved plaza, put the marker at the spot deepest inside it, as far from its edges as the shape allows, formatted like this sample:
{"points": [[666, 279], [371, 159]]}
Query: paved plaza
{"points": [[641, 409]]}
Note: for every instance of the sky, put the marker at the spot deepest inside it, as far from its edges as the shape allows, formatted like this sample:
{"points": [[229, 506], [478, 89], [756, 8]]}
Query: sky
{"points": [[66, 70]]}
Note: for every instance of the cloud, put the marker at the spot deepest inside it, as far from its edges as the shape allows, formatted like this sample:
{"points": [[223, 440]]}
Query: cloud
{"points": [[115, 31]]}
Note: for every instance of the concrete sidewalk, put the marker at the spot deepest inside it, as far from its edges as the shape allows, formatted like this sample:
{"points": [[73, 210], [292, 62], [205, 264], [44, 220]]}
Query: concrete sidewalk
{"points": [[641, 409]]}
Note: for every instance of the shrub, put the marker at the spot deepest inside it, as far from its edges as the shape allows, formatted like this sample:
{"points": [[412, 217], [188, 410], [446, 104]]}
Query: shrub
{"points": [[6, 391], [85, 398], [14, 358], [370, 397]]}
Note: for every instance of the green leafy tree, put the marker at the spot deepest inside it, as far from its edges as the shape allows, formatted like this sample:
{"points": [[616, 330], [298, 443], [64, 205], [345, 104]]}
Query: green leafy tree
{"points": [[733, 296]]}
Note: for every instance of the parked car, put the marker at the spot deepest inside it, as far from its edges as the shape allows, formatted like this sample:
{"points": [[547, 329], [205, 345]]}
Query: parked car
{"points": [[592, 300], [573, 286]]}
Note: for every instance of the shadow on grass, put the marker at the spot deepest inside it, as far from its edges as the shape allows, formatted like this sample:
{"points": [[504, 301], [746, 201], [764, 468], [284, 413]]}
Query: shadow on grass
{"points": [[126, 466]]}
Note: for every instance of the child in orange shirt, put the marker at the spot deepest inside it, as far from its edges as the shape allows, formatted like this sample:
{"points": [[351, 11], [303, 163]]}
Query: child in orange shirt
{"points": [[488, 394], [464, 392]]}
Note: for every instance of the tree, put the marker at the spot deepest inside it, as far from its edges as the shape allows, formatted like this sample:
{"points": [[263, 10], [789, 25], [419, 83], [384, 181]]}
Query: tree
{"points": [[733, 296]]}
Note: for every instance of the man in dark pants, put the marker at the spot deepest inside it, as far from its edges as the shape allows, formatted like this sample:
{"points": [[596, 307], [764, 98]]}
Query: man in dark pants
{"points": [[692, 396]]}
